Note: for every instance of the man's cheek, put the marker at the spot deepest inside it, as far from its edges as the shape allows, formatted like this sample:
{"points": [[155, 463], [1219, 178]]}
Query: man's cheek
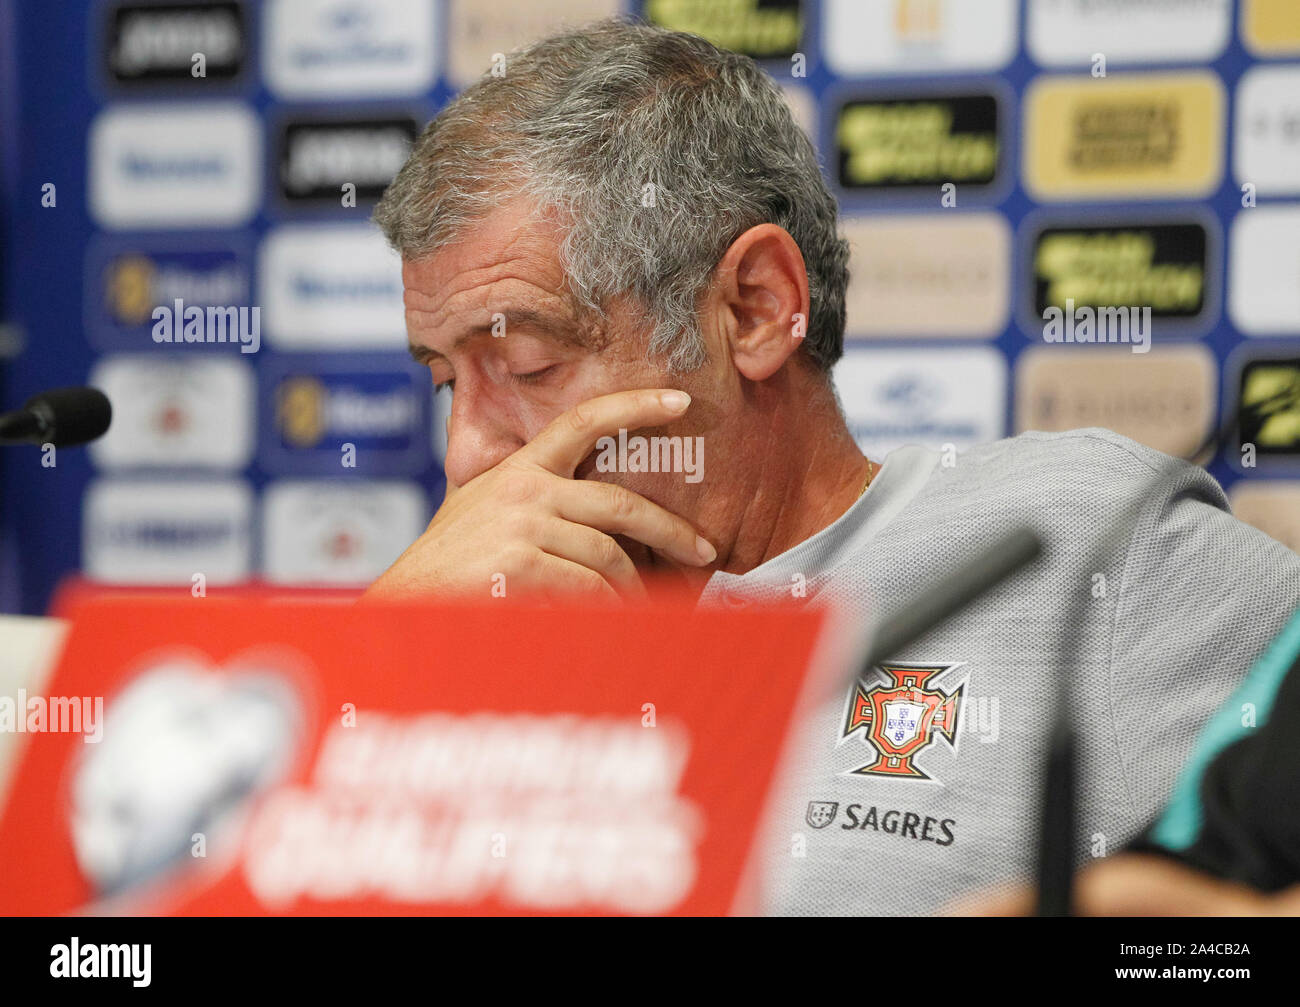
{"points": [[654, 486]]}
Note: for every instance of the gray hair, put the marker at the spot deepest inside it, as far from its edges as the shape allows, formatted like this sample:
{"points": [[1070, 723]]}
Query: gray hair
{"points": [[582, 122]]}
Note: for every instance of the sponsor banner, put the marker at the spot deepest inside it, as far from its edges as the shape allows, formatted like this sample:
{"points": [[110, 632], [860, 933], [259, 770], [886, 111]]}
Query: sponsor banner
{"points": [[328, 416], [127, 279], [175, 410], [1163, 263], [175, 165], [1266, 142], [316, 158], [1264, 270], [763, 29], [407, 759], [1271, 505], [870, 37], [914, 143], [137, 531], [1164, 399], [933, 397], [1151, 135], [944, 275], [482, 31], [338, 531], [320, 49], [1073, 32], [1266, 392], [331, 287], [151, 43], [1271, 27]]}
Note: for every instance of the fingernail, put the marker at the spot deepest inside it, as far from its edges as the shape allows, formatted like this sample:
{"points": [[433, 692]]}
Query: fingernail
{"points": [[706, 552], [676, 401]]}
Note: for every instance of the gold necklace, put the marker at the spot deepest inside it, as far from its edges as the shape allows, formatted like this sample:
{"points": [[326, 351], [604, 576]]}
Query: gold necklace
{"points": [[871, 471]]}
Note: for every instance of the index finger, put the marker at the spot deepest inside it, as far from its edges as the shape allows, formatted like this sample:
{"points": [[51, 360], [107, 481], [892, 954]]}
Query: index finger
{"points": [[570, 437]]}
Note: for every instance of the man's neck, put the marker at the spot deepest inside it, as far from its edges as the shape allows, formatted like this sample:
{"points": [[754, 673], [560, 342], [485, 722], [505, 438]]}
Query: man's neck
{"points": [[806, 473], [813, 489]]}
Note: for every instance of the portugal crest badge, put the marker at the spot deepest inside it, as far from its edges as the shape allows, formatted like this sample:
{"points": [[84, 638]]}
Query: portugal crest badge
{"points": [[902, 717]]}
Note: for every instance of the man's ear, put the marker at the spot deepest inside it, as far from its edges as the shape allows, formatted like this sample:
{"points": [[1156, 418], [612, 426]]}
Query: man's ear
{"points": [[758, 302]]}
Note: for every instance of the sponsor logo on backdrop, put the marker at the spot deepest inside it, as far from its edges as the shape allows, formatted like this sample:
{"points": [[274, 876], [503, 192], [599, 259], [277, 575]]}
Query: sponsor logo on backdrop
{"points": [[926, 140], [946, 275], [1268, 408], [903, 714], [1271, 505], [931, 397], [317, 157], [1266, 143], [192, 411], [319, 408], [331, 287], [137, 531], [1264, 271], [866, 37], [237, 729], [1071, 32], [1271, 27], [1123, 280], [335, 532], [1164, 399], [763, 29], [350, 48], [485, 29], [1162, 265], [175, 165], [1154, 135], [127, 281], [157, 43]]}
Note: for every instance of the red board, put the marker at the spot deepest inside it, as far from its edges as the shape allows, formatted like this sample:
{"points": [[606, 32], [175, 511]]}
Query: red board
{"points": [[294, 757]]}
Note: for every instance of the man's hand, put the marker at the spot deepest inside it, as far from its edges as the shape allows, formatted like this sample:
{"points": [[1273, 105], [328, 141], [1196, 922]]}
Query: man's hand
{"points": [[1143, 885], [547, 533]]}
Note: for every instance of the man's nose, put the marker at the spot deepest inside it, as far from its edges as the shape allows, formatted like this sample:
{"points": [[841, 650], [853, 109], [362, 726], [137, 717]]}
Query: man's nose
{"points": [[478, 436]]}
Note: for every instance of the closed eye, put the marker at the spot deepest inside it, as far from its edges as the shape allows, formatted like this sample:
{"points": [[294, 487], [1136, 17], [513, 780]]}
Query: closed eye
{"points": [[531, 377]]}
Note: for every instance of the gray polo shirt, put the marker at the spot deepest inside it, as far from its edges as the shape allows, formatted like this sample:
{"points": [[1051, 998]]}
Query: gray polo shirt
{"points": [[922, 783]]}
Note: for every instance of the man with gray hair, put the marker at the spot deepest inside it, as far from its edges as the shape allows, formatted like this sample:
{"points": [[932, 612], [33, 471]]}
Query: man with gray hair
{"points": [[626, 231]]}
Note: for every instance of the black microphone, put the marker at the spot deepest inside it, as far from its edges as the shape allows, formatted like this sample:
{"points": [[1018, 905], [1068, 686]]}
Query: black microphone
{"points": [[1015, 550], [63, 417]]}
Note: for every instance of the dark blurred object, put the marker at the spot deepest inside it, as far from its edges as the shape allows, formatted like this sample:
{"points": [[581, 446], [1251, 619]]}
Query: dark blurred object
{"points": [[63, 417]]}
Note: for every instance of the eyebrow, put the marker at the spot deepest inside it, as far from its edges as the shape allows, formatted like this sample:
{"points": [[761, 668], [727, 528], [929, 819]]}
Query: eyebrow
{"points": [[562, 328]]}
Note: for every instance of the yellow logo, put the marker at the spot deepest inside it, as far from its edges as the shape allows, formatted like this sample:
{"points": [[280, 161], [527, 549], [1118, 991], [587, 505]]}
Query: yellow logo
{"points": [[753, 27], [300, 411], [1271, 27], [129, 288], [1157, 135], [1272, 390]]}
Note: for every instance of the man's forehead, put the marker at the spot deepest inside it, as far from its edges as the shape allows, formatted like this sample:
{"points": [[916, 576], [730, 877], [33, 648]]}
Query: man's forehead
{"points": [[506, 269], [508, 236]]}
